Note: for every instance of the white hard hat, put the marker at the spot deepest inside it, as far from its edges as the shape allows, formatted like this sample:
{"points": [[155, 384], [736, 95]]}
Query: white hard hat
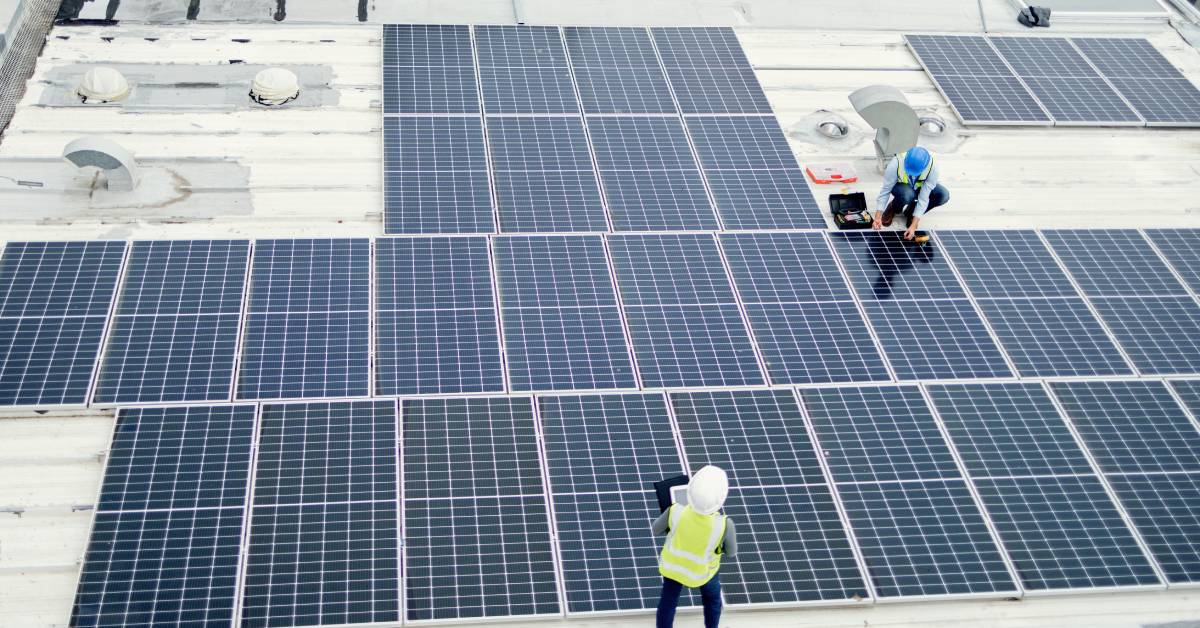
{"points": [[708, 489]]}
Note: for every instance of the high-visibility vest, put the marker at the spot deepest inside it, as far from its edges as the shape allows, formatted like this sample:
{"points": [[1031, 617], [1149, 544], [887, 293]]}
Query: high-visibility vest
{"points": [[690, 556], [902, 174]]}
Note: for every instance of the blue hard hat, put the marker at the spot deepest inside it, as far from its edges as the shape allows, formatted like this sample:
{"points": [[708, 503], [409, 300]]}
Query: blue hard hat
{"points": [[916, 161]]}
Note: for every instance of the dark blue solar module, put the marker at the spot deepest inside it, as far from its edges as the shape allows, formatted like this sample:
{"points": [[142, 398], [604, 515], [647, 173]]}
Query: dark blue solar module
{"points": [[961, 55], [979, 85], [520, 46], [1064, 533], [794, 548], [753, 173], [160, 567], [1007, 430], [426, 45], [1161, 335], [717, 89], [1131, 426], [59, 278], [175, 334], [1063, 80], [1162, 102], [1159, 91], [935, 339], [435, 327], [1043, 56], [479, 557], [617, 70], [757, 436], [469, 447], [784, 268], [650, 176], [700, 47], [314, 564], [878, 434], [692, 345], [524, 70], [884, 266], [1053, 337], [605, 443], [544, 175], [1181, 247], [806, 343], [1164, 510], [185, 457], [562, 328], [326, 452], [670, 270], [924, 538], [1189, 392], [48, 361], [1113, 262], [428, 69], [435, 176], [1006, 263], [307, 331], [1126, 57]]}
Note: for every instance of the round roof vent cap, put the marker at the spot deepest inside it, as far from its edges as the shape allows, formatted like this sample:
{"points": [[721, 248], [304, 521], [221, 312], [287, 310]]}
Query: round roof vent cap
{"points": [[102, 85], [932, 124], [274, 87], [832, 125]]}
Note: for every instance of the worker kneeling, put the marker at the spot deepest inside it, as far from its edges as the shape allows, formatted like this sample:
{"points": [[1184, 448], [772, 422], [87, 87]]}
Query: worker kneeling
{"points": [[910, 181], [697, 536]]}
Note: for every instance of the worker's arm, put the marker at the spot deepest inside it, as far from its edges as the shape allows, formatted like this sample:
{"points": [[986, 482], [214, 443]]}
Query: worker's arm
{"points": [[922, 201], [890, 178], [729, 543], [661, 524]]}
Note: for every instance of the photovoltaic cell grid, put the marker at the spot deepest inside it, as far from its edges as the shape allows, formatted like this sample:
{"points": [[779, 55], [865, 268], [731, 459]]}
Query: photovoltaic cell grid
{"points": [[709, 72], [1063, 80], [428, 69], [54, 300], [435, 176], [1159, 91], [617, 71], [1053, 515]]}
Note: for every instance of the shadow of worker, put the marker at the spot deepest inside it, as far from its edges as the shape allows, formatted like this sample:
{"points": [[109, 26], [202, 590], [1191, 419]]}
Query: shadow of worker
{"points": [[895, 259]]}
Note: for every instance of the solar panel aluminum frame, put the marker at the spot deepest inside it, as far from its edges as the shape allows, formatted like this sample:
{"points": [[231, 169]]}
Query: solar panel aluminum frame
{"points": [[945, 96], [102, 350]]}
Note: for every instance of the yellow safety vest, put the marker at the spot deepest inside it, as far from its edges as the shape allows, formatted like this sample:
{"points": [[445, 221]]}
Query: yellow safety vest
{"points": [[902, 174], [690, 556]]}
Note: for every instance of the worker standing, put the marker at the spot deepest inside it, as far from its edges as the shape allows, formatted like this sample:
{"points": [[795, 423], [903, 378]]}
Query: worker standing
{"points": [[910, 185], [697, 536]]}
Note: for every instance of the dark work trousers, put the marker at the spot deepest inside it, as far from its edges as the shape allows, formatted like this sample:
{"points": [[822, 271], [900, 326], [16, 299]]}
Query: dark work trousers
{"points": [[905, 196], [710, 592]]}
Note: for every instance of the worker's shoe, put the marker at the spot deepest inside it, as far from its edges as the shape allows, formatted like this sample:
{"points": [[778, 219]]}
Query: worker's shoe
{"points": [[889, 214]]}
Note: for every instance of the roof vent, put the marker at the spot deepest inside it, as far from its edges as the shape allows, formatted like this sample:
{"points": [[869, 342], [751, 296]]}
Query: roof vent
{"points": [[832, 125], [932, 124], [274, 86], [120, 169], [887, 111], [102, 85]]}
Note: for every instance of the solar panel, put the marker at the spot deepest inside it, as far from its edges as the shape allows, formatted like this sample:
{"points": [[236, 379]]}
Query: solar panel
{"points": [[175, 334], [182, 457], [699, 47], [878, 434], [924, 538], [1163, 508], [543, 163], [48, 361], [1064, 532], [1053, 337], [307, 329], [1189, 392], [794, 548], [717, 89], [979, 85], [478, 557], [935, 339], [1007, 263], [1131, 426], [807, 343], [1113, 262], [670, 270], [1181, 247], [617, 71], [524, 70], [326, 452], [753, 173], [783, 268], [426, 45], [435, 328], [435, 176], [468, 447], [757, 436], [1126, 57], [160, 567], [605, 443], [1161, 335], [884, 266], [1063, 80], [428, 69], [562, 328], [1166, 102], [1007, 430], [650, 178], [692, 345], [1159, 91]]}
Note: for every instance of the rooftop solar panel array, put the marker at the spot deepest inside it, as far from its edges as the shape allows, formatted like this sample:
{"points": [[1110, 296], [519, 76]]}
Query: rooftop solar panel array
{"points": [[553, 160], [1042, 80]]}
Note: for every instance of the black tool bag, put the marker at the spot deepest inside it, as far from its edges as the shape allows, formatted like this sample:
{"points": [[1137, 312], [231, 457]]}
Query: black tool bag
{"points": [[1034, 16], [850, 210]]}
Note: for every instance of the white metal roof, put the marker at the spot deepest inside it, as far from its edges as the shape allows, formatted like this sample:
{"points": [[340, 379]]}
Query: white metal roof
{"points": [[241, 171]]}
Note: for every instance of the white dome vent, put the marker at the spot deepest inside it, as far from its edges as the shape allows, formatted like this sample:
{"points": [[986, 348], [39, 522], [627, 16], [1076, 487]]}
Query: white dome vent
{"points": [[274, 86], [102, 85]]}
